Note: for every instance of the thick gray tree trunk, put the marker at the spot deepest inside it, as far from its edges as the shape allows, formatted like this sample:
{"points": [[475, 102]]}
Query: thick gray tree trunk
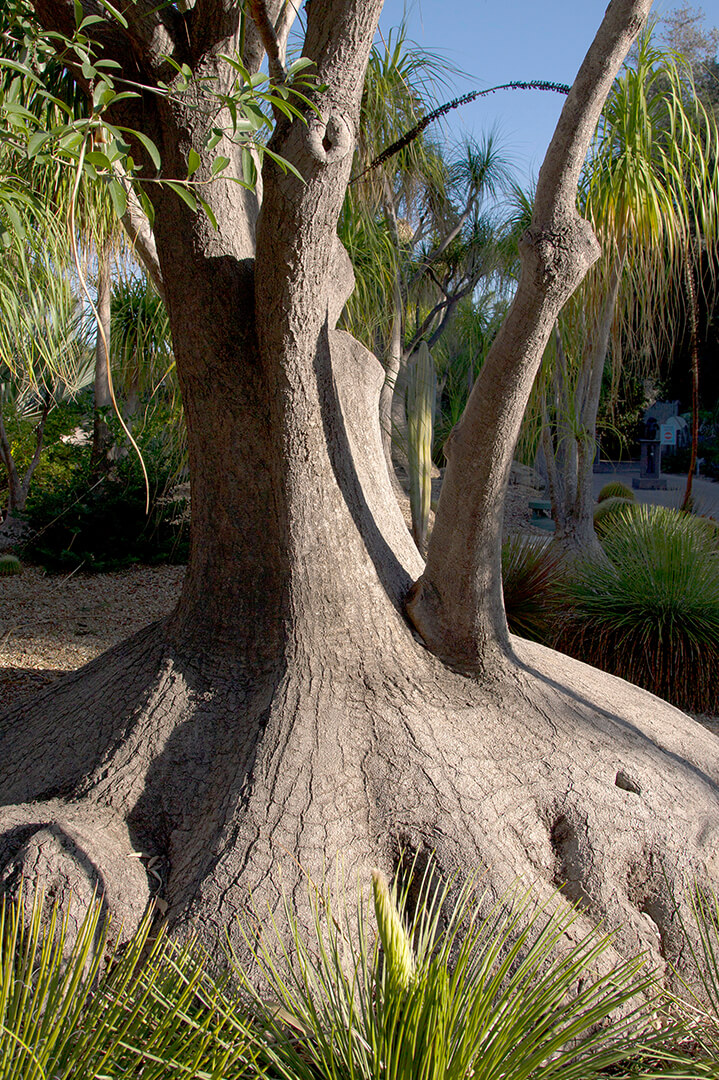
{"points": [[286, 711]]}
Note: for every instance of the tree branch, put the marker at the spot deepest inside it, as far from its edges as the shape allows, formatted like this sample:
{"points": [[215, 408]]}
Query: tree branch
{"points": [[457, 604], [140, 232], [266, 30]]}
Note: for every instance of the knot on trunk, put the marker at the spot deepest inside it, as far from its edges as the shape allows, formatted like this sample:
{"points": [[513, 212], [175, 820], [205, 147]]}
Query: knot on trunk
{"points": [[72, 854], [330, 140], [557, 257]]}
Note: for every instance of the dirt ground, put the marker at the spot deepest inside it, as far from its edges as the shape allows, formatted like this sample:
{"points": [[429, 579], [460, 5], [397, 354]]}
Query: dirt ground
{"points": [[50, 624]]}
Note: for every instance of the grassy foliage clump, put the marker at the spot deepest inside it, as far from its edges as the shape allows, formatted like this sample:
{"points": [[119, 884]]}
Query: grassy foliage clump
{"points": [[443, 992], [83, 1008], [531, 580], [650, 611], [615, 489], [609, 511], [101, 523]]}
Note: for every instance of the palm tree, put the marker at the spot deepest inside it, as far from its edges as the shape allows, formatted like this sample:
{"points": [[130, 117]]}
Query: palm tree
{"points": [[650, 191], [417, 226], [44, 355]]}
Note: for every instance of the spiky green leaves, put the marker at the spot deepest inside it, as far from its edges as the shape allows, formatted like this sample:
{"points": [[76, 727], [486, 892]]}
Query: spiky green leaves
{"points": [[73, 1005], [456, 990], [398, 955], [649, 612]]}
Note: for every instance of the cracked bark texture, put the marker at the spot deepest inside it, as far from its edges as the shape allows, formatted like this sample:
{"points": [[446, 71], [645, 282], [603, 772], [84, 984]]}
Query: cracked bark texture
{"points": [[287, 711]]}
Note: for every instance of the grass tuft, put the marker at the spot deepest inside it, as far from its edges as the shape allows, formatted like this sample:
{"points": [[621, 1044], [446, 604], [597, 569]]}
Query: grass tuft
{"points": [[531, 579], [501, 994], [82, 1008], [650, 611]]}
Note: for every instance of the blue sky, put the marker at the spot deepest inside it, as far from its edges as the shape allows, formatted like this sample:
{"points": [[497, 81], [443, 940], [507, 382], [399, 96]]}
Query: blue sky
{"points": [[497, 41]]}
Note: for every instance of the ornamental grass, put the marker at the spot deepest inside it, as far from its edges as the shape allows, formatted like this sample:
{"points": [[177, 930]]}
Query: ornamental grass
{"points": [[443, 988], [75, 1006], [531, 580], [649, 612]]}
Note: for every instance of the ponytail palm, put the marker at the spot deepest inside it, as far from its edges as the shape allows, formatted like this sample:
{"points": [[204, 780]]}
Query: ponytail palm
{"points": [[650, 191]]}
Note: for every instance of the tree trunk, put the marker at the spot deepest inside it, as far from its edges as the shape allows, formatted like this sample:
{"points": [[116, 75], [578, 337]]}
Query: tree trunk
{"points": [[573, 501], [286, 711], [102, 398], [692, 309]]}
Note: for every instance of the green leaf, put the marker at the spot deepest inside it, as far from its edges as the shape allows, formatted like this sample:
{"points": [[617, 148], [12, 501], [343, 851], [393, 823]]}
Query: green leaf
{"points": [[36, 142], [219, 164], [114, 12], [118, 196], [249, 169], [15, 220], [13, 108], [302, 64], [22, 69], [237, 66], [209, 211], [284, 164], [79, 14], [149, 146], [91, 20], [214, 139], [186, 196], [193, 162], [145, 203], [98, 159]]}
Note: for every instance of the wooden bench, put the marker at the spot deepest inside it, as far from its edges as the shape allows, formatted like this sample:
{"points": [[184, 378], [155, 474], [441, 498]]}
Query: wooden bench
{"points": [[541, 514]]}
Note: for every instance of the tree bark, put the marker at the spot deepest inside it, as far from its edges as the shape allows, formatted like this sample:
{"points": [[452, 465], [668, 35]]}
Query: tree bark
{"points": [[572, 495], [286, 711], [457, 604], [102, 395]]}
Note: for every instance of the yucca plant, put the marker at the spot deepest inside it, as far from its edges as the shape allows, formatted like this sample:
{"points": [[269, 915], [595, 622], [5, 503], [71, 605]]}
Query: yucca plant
{"points": [[649, 612], [531, 580], [702, 1013], [608, 511], [83, 1008], [444, 993]]}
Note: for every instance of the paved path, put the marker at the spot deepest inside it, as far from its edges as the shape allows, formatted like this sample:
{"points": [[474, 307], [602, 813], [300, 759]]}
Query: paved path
{"points": [[705, 492]]}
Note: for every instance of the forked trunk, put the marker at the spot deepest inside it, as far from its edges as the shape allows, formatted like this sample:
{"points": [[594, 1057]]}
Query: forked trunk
{"points": [[286, 711]]}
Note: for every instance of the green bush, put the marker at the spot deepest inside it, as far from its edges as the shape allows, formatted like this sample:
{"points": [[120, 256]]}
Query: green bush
{"points": [[101, 523], [608, 512], [650, 611], [9, 565], [531, 580], [445, 992], [86, 1010], [615, 489]]}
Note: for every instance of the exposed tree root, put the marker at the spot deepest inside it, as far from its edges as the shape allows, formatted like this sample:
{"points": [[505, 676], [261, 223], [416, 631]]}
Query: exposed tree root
{"points": [[559, 774]]}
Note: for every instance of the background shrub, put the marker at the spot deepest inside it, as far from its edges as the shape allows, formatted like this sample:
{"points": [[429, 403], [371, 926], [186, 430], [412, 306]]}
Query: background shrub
{"points": [[615, 489], [650, 611], [531, 580], [101, 522], [608, 512]]}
